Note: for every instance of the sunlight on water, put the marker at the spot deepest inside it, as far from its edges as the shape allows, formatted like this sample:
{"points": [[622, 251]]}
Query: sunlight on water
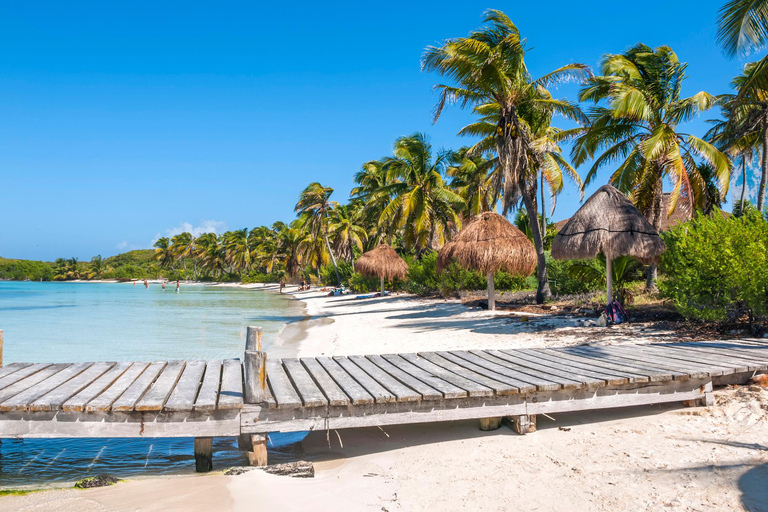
{"points": [[72, 322]]}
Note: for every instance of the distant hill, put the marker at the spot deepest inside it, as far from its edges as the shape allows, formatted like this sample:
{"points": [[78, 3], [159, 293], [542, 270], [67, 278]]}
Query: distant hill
{"points": [[139, 256]]}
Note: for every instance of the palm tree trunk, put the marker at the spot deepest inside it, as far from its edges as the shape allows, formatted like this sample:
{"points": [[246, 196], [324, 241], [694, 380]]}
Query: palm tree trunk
{"points": [[764, 174], [743, 183], [653, 269], [542, 292], [333, 258], [543, 210], [491, 292]]}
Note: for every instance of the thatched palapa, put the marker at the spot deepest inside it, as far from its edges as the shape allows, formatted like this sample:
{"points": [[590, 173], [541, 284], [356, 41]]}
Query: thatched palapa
{"points": [[490, 243], [608, 223], [382, 262]]}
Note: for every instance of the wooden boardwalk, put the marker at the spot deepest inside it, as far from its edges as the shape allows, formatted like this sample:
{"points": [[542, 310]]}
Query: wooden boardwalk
{"points": [[203, 399]]}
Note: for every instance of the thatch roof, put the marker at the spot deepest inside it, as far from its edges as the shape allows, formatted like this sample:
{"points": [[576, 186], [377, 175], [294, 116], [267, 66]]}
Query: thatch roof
{"points": [[608, 223], [490, 243], [382, 261]]}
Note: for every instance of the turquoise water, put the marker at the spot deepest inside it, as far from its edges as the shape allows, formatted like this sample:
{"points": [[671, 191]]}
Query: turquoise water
{"points": [[72, 322]]}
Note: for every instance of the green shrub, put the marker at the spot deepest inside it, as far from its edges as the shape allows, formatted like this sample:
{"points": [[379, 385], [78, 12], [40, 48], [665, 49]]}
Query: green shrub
{"points": [[717, 268], [362, 284], [562, 280], [422, 274], [328, 273]]}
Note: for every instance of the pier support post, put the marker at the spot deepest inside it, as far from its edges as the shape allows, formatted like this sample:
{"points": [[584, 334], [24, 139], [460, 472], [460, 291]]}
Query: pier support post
{"points": [[257, 452], [253, 338], [490, 423], [203, 454], [523, 424], [707, 400]]}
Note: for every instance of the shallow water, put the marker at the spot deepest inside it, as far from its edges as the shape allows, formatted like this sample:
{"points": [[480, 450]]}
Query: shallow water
{"points": [[72, 322]]}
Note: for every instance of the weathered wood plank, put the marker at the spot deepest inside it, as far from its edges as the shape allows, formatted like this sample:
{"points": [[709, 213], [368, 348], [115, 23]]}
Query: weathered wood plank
{"points": [[183, 396], [680, 372], [95, 388], [20, 401], [138, 387], [379, 393], [311, 395], [503, 367], [282, 389], [402, 392], [608, 366], [208, 396], [154, 399], [533, 368], [731, 350], [32, 380], [558, 369], [353, 389], [734, 364], [231, 391], [54, 399], [13, 367], [103, 402], [518, 385], [426, 392], [23, 373], [332, 391], [577, 369], [497, 387], [446, 388], [692, 368], [656, 372]]}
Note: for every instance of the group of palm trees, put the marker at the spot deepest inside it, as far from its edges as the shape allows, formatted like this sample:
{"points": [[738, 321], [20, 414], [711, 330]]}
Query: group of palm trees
{"points": [[417, 198]]}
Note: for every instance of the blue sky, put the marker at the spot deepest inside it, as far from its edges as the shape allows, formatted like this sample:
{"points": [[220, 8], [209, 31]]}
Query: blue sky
{"points": [[125, 120]]}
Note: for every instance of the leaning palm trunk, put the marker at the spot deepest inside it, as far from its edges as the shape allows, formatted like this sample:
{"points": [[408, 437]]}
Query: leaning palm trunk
{"points": [[764, 174], [653, 269], [333, 258], [743, 184], [542, 292]]}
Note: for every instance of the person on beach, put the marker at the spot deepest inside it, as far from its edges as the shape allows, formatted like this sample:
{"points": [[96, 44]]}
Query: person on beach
{"points": [[282, 285], [134, 283], [163, 284], [178, 285], [146, 284]]}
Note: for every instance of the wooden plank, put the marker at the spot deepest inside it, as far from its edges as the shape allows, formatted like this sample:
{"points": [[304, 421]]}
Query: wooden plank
{"points": [[13, 367], [311, 395], [463, 371], [138, 387], [231, 391], [104, 400], [524, 365], [183, 396], [282, 389], [555, 360], [94, 389], [23, 373], [502, 367], [208, 396], [353, 389], [53, 400], [681, 371], [426, 392], [732, 350], [735, 364], [656, 373], [32, 380], [692, 368], [21, 401], [402, 392], [555, 368], [331, 390], [633, 374], [156, 396], [379, 393], [518, 385], [446, 388]]}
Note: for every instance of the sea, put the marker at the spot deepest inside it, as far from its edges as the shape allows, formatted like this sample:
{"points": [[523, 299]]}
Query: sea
{"points": [[75, 322]]}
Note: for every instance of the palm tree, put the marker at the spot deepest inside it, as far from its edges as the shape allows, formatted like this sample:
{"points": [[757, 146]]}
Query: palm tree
{"points": [[209, 253], [422, 204], [163, 252], [369, 192], [182, 247], [474, 178], [638, 128], [315, 205], [742, 26], [96, 267], [237, 252], [347, 231], [490, 72]]}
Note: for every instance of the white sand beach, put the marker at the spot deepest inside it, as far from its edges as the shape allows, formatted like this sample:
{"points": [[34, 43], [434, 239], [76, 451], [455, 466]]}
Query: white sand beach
{"points": [[647, 458]]}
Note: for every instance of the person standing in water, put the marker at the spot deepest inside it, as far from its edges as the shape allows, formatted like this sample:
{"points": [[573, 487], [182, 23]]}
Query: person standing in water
{"points": [[178, 285], [146, 284], [163, 284]]}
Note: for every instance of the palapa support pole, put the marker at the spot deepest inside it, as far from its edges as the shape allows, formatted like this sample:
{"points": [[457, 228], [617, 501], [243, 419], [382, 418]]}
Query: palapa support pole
{"points": [[609, 278], [491, 292], [382, 286]]}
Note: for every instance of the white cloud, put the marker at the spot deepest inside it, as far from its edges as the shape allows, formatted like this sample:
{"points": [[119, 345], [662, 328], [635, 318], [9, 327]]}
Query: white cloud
{"points": [[206, 226], [122, 245]]}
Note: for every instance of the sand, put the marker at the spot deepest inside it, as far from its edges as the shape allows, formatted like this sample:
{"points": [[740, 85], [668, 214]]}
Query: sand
{"points": [[664, 457]]}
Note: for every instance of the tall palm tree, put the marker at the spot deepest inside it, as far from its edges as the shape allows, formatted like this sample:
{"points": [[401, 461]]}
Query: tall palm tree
{"points": [[209, 253], [422, 203], [315, 205], [742, 26], [164, 253], [237, 252], [489, 69], [182, 248], [638, 107], [369, 191], [474, 178], [347, 231], [96, 267]]}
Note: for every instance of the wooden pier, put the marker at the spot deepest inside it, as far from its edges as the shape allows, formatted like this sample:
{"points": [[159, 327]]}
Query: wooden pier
{"points": [[258, 396]]}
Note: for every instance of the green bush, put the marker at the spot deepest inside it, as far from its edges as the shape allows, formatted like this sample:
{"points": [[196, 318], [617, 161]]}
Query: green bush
{"points": [[362, 284], [328, 273], [25, 270], [717, 268], [258, 277], [561, 279]]}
